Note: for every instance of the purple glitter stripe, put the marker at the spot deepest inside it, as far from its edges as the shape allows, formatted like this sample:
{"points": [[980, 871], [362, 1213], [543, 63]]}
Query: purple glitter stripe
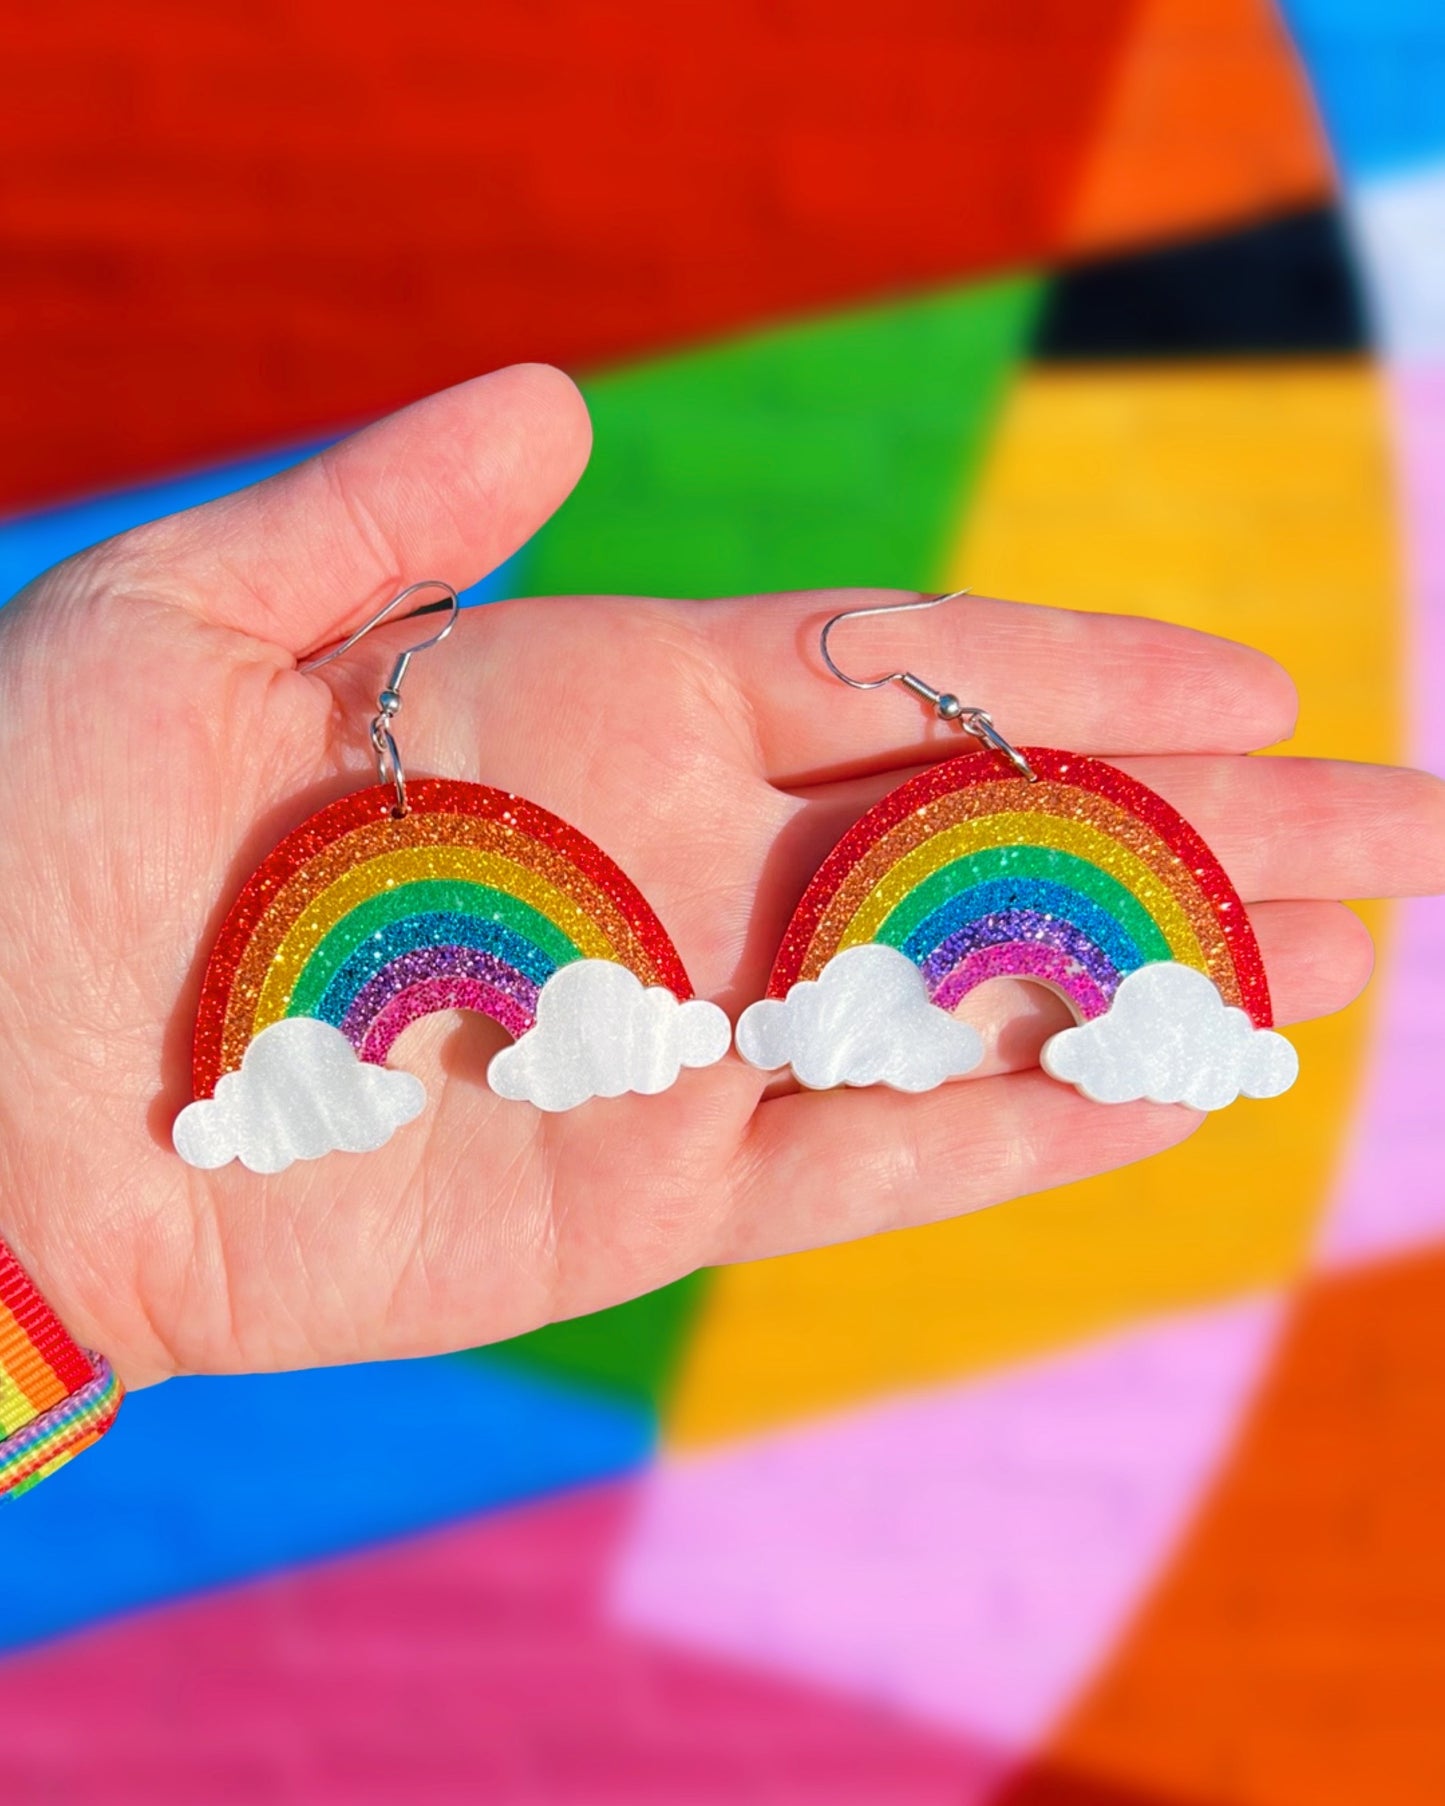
{"points": [[1024, 959], [422, 963], [1016, 926], [443, 993]]}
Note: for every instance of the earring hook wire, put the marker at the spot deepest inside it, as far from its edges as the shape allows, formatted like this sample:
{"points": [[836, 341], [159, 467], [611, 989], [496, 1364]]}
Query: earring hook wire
{"points": [[945, 705], [451, 602], [882, 608], [383, 740]]}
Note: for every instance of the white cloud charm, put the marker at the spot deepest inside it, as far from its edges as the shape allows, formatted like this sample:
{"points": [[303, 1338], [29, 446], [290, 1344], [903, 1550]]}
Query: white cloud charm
{"points": [[299, 1092], [1170, 1037], [867, 1019], [600, 1032]]}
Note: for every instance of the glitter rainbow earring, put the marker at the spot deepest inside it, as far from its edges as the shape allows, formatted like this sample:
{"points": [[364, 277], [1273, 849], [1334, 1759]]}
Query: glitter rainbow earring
{"points": [[1020, 862], [419, 895]]}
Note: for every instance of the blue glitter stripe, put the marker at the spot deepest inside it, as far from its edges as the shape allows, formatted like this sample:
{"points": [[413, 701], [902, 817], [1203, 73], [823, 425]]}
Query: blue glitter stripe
{"points": [[429, 930], [1038, 895]]}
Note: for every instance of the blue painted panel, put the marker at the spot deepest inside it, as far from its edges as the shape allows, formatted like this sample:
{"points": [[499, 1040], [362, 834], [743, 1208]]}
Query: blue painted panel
{"points": [[209, 1481], [1378, 70]]}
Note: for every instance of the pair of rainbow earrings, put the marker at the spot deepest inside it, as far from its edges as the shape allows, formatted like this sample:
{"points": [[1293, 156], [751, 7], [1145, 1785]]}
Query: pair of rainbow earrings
{"points": [[411, 897]]}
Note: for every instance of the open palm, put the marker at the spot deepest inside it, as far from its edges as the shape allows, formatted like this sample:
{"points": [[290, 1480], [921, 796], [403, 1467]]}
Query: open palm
{"points": [[157, 740]]}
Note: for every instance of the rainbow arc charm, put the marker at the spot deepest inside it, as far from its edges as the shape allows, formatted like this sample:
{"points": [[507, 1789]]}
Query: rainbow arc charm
{"points": [[364, 922], [1076, 880]]}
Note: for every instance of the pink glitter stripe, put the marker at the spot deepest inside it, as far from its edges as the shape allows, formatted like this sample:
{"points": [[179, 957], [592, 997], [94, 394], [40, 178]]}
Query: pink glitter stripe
{"points": [[408, 970], [434, 994], [1023, 959]]}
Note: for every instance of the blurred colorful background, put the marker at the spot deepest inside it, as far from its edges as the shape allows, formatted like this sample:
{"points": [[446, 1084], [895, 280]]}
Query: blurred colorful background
{"points": [[1130, 1495]]}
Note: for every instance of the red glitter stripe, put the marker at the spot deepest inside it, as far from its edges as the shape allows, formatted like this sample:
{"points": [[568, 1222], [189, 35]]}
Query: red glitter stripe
{"points": [[1091, 775], [46, 1332], [427, 796]]}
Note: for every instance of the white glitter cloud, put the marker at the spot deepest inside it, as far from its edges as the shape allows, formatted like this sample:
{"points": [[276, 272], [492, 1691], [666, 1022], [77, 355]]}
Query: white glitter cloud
{"points": [[1170, 1037], [865, 1020], [299, 1092], [600, 1032]]}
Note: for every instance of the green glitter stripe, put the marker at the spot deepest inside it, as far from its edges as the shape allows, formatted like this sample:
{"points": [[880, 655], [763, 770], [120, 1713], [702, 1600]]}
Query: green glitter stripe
{"points": [[1025, 862], [424, 897]]}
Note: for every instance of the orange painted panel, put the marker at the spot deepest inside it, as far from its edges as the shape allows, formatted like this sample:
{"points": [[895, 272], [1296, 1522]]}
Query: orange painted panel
{"points": [[1208, 122], [1296, 1654]]}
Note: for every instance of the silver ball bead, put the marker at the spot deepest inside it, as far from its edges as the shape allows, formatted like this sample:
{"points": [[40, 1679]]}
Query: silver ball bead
{"points": [[949, 708]]}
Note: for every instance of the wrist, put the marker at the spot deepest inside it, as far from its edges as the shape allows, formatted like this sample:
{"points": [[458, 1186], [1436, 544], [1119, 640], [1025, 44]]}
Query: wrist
{"points": [[82, 1249]]}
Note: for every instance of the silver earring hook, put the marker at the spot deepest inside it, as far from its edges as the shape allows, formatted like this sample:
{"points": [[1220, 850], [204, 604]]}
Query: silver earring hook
{"points": [[388, 702], [944, 703]]}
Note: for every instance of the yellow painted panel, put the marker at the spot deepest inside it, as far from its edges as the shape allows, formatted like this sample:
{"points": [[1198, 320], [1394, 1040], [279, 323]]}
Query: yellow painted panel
{"points": [[1252, 501]]}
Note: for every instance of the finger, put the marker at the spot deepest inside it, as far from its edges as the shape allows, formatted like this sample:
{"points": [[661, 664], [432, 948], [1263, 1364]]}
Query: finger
{"points": [[448, 488], [1319, 957], [828, 1166], [1281, 827], [1310, 827], [1102, 683]]}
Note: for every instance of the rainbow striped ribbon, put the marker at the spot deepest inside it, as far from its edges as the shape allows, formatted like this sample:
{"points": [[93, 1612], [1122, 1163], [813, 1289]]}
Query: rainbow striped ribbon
{"points": [[55, 1399]]}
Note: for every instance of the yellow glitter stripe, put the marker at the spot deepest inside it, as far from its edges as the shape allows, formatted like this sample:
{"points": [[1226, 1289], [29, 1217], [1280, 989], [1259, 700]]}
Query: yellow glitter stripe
{"points": [[25, 1375], [1016, 827], [410, 865]]}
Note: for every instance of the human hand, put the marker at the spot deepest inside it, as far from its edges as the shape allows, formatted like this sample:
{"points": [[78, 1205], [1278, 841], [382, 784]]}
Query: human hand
{"points": [[157, 741]]}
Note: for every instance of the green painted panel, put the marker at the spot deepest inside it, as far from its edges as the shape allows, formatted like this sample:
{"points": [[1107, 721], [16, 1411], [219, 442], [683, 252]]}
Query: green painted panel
{"points": [[834, 452]]}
